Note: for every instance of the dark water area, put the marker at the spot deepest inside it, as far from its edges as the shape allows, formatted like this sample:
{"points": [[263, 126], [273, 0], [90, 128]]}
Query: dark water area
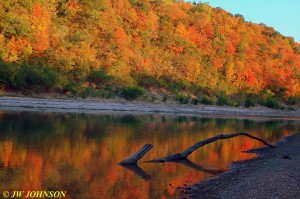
{"points": [[79, 153]]}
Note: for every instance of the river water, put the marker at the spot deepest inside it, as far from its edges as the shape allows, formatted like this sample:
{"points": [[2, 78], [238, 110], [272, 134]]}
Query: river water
{"points": [[79, 153]]}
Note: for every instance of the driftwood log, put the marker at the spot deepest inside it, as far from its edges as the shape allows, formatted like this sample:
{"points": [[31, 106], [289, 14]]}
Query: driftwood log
{"points": [[131, 160], [184, 154]]}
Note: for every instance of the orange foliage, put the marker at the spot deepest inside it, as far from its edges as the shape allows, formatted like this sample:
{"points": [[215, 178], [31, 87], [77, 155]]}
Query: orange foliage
{"points": [[209, 30], [197, 38], [73, 5], [182, 31], [250, 78], [176, 12], [120, 36], [218, 62], [148, 37], [17, 49], [176, 49], [123, 42], [40, 23], [229, 48]]}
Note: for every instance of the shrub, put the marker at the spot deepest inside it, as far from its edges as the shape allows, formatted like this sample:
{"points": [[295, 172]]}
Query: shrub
{"points": [[271, 103], [234, 103], [72, 87], [89, 92], [99, 77], [165, 98], [49, 78], [153, 98], [131, 93], [250, 102], [85, 93], [7, 73], [223, 100], [208, 100], [30, 76], [92, 92], [108, 92], [195, 101], [183, 99]]}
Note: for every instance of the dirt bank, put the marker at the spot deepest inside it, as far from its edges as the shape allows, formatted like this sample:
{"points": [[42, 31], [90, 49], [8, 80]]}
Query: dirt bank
{"points": [[274, 174], [80, 105]]}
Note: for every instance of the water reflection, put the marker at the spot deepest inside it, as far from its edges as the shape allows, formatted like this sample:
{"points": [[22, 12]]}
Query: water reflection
{"points": [[137, 171], [79, 153], [193, 165]]}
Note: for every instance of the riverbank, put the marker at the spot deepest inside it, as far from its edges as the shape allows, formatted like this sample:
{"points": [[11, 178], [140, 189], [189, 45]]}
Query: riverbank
{"points": [[273, 174], [87, 105]]}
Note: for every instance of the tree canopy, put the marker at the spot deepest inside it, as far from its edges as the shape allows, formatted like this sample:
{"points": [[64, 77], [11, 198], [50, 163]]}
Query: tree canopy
{"points": [[191, 44]]}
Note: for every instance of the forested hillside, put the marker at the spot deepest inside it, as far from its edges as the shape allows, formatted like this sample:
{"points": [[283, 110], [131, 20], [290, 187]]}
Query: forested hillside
{"points": [[107, 47]]}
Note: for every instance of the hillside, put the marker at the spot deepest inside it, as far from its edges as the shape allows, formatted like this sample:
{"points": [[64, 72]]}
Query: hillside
{"points": [[115, 47]]}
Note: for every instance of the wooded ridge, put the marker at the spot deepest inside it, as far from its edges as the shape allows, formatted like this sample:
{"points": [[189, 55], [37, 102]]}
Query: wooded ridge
{"points": [[104, 48]]}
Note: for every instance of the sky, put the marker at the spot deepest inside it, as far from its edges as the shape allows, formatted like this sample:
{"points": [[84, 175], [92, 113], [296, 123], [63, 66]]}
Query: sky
{"points": [[282, 15]]}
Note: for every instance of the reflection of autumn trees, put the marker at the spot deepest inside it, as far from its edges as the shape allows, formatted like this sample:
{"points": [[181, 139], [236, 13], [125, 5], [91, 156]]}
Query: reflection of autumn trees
{"points": [[79, 153]]}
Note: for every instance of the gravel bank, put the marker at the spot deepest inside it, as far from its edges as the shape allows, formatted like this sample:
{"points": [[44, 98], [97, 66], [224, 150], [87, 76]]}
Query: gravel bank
{"points": [[275, 174], [80, 105]]}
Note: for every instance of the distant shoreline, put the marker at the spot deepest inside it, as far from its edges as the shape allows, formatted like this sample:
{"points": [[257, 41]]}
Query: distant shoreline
{"points": [[113, 105]]}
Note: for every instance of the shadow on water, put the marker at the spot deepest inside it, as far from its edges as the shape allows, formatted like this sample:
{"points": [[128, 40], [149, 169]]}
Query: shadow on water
{"points": [[190, 164], [186, 162], [137, 171]]}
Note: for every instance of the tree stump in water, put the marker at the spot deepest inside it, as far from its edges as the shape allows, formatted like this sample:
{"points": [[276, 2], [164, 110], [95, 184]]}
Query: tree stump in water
{"points": [[137, 155]]}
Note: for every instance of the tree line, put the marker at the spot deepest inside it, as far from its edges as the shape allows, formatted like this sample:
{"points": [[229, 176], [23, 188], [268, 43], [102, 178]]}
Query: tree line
{"points": [[107, 47]]}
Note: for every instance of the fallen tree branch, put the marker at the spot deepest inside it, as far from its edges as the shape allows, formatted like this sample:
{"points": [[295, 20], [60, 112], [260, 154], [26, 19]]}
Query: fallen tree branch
{"points": [[188, 151], [137, 155]]}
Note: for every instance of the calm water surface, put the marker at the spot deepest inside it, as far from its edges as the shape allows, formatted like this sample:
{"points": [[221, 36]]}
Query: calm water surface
{"points": [[79, 153]]}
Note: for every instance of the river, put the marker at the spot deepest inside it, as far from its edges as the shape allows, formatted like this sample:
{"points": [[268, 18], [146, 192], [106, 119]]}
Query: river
{"points": [[79, 153]]}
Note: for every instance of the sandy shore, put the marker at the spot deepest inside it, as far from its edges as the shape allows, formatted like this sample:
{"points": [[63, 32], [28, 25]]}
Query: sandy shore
{"points": [[274, 174], [80, 105]]}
